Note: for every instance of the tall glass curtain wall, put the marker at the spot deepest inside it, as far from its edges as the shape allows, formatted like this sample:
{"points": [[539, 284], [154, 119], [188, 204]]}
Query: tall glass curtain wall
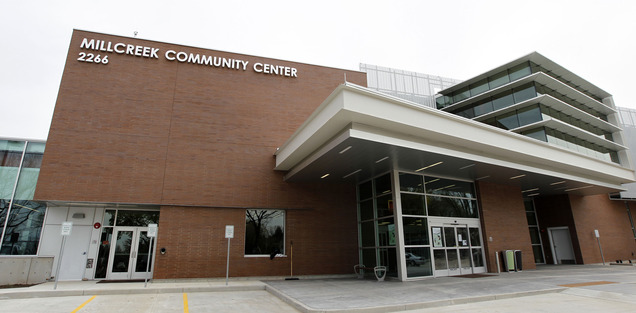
{"points": [[21, 220], [535, 236], [532, 111], [421, 197]]}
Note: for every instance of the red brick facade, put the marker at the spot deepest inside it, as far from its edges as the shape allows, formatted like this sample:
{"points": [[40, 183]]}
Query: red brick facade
{"points": [[503, 217], [199, 141]]}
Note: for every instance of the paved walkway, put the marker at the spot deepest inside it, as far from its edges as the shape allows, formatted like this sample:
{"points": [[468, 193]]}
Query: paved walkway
{"points": [[602, 286]]}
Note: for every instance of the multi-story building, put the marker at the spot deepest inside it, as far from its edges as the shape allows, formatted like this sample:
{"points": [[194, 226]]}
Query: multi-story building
{"points": [[317, 172]]}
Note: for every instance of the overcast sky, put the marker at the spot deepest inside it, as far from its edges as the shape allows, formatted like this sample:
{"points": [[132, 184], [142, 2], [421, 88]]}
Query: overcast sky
{"points": [[456, 39]]}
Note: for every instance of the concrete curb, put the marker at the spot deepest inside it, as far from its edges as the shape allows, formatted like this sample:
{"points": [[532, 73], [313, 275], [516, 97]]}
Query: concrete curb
{"points": [[410, 306], [150, 290]]}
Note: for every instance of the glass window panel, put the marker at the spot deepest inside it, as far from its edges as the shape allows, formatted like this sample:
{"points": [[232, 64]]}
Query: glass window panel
{"points": [[144, 253], [502, 100], [519, 71], [449, 237], [529, 115], [26, 183], [524, 93], [386, 232], [137, 218], [508, 121], [385, 206], [388, 258], [538, 254], [439, 255], [264, 232], [411, 183], [24, 227], [483, 107], [461, 94], [449, 187], [464, 256], [534, 235], [104, 252], [438, 237], [532, 218], [412, 204], [415, 231], [366, 210], [498, 80], [474, 237], [478, 259], [109, 218], [383, 185], [451, 207], [467, 113], [367, 234], [462, 237], [418, 262], [8, 175], [121, 259], [453, 261], [365, 190], [478, 87], [368, 257]]}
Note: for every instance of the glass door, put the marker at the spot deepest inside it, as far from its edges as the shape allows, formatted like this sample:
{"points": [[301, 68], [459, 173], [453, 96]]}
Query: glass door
{"points": [[129, 255], [456, 249]]}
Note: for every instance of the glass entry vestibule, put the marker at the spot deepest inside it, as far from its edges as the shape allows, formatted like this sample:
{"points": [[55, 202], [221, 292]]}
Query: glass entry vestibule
{"points": [[125, 250], [429, 227]]}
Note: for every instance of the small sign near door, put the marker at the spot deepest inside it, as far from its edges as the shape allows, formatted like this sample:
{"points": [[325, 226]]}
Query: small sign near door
{"points": [[66, 228], [152, 230], [229, 231]]}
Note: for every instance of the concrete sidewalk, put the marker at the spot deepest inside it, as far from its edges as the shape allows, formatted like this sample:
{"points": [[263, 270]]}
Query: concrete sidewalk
{"points": [[595, 282]]}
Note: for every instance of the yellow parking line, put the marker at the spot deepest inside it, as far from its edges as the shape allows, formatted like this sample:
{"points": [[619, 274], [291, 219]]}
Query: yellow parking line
{"points": [[83, 304], [185, 303]]}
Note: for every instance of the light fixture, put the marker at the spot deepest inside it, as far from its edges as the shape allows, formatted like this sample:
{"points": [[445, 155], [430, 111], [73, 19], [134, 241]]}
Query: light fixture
{"points": [[556, 183], [345, 150], [533, 189], [354, 172], [483, 177], [431, 181], [533, 194], [382, 159], [423, 168], [578, 188], [518, 176], [323, 176], [467, 166]]}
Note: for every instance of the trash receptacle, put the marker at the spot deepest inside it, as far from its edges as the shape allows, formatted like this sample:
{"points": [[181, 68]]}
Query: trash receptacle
{"points": [[518, 263], [508, 257]]}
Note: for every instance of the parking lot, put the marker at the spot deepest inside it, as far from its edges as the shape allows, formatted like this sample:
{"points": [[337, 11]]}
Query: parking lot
{"points": [[233, 301]]}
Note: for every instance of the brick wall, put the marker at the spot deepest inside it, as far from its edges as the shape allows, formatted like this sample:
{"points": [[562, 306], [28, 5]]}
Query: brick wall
{"points": [[503, 218], [145, 130], [323, 232], [611, 220]]}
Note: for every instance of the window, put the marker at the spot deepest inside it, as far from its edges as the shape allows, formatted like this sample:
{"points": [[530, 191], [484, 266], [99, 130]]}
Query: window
{"points": [[264, 232]]}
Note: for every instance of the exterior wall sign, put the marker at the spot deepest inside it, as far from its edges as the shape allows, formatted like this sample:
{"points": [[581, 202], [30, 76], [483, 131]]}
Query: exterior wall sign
{"points": [[104, 48]]}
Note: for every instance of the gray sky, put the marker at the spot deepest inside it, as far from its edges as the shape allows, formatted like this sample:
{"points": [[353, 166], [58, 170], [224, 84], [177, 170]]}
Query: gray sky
{"points": [[456, 39]]}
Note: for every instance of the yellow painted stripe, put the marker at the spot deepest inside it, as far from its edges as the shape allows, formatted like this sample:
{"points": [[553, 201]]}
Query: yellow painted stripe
{"points": [[185, 303], [83, 304], [592, 283]]}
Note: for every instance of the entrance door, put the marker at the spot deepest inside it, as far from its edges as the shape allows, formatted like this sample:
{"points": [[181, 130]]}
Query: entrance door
{"points": [[456, 249], [561, 244], [129, 255]]}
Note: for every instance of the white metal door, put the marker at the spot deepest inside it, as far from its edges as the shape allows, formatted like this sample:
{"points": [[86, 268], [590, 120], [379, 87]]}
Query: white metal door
{"points": [[561, 245]]}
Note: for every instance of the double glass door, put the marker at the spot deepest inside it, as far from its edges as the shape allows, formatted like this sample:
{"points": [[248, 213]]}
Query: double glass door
{"points": [[457, 249], [130, 253]]}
